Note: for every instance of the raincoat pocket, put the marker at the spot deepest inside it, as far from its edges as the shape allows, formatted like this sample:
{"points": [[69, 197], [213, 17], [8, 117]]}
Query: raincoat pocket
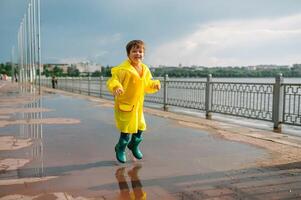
{"points": [[125, 112], [125, 107]]}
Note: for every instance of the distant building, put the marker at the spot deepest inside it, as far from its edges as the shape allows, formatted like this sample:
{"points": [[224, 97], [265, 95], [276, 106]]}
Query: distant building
{"points": [[270, 67], [251, 68], [85, 67], [197, 68], [51, 66]]}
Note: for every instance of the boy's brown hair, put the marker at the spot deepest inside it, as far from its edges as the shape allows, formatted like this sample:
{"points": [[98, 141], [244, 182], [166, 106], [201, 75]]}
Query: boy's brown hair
{"points": [[134, 44]]}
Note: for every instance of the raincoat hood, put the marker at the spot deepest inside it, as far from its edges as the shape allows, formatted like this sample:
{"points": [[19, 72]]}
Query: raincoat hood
{"points": [[127, 66]]}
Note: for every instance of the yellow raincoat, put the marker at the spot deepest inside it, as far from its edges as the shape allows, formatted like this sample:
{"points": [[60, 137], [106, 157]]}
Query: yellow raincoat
{"points": [[129, 105]]}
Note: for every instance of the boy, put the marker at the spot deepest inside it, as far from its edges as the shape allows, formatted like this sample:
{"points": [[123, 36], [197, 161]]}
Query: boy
{"points": [[129, 82]]}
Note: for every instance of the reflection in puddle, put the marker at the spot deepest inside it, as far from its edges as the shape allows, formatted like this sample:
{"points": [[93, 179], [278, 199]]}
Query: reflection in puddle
{"points": [[125, 191], [33, 132]]}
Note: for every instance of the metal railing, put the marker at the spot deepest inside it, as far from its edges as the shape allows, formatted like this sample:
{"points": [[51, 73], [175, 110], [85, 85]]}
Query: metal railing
{"points": [[292, 104], [277, 102], [248, 100]]}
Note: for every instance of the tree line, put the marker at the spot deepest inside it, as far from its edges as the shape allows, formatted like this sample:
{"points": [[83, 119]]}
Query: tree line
{"points": [[294, 71], [6, 68]]}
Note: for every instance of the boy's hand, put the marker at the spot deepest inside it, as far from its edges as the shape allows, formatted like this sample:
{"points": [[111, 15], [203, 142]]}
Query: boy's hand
{"points": [[157, 86], [118, 91]]}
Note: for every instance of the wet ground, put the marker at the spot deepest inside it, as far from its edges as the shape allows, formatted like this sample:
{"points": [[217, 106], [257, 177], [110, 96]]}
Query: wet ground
{"points": [[77, 160]]}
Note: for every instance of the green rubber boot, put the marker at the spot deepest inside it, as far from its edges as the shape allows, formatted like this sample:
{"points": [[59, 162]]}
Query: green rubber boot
{"points": [[120, 148], [134, 146]]}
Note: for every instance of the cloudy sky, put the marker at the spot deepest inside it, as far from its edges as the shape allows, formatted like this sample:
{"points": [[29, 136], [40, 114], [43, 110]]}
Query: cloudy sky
{"points": [[190, 32]]}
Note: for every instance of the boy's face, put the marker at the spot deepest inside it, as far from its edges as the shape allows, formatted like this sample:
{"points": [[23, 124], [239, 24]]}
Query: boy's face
{"points": [[136, 54]]}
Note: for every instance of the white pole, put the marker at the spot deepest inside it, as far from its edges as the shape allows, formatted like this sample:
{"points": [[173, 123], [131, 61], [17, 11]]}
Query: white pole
{"points": [[18, 52], [12, 64], [29, 43], [32, 35], [35, 39], [21, 53], [23, 50], [39, 43], [26, 48]]}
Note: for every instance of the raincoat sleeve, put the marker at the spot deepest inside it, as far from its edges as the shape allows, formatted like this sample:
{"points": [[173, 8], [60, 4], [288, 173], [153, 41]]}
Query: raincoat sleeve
{"points": [[115, 81], [150, 84]]}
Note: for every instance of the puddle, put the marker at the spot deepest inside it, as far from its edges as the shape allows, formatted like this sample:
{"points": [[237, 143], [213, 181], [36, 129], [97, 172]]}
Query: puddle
{"points": [[82, 155]]}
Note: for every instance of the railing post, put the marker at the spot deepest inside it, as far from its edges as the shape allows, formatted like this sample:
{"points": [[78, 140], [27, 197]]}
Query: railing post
{"points": [[89, 78], [165, 108], [278, 103], [100, 87], [65, 85], [79, 84], [72, 84], [208, 96], [68, 84]]}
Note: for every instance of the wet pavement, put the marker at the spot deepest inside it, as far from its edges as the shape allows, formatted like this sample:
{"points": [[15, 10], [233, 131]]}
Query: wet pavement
{"points": [[71, 156]]}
